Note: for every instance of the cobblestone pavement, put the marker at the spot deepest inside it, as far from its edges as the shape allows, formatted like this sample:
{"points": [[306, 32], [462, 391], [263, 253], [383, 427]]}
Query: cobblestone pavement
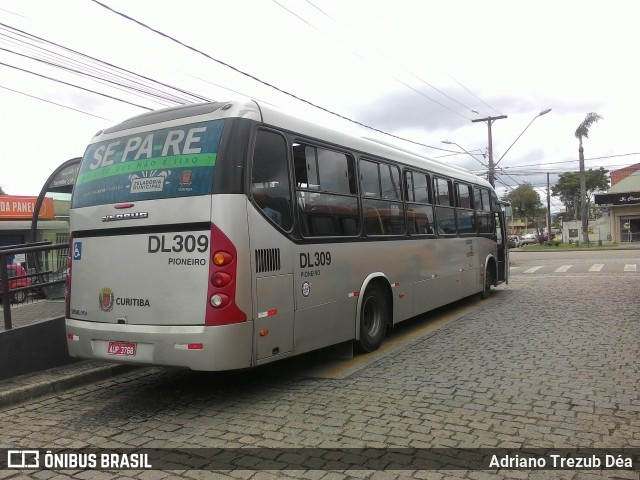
{"points": [[547, 362]]}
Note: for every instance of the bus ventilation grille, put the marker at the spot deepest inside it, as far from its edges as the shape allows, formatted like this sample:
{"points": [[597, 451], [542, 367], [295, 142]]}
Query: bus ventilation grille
{"points": [[267, 260]]}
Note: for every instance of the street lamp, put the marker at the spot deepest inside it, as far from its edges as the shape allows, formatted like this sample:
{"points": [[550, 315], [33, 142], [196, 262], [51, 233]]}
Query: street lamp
{"points": [[471, 154], [543, 112]]}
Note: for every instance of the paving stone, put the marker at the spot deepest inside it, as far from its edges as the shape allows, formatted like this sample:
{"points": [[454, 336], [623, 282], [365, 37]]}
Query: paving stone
{"points": [[501, 377]]}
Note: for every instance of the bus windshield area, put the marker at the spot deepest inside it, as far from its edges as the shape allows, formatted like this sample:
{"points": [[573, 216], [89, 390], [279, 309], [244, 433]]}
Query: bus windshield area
{"points": [[165, 163]]}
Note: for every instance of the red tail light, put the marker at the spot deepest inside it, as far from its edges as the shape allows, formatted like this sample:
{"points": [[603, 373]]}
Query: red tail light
{"points": [[221, 294], [221, 279]]}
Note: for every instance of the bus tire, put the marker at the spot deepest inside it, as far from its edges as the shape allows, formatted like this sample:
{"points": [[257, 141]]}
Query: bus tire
{"points": [[374, 313], [488, 283]]}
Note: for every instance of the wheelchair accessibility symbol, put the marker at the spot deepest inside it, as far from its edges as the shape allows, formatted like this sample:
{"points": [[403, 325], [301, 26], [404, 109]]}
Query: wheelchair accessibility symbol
{"points": [[77, 250]]}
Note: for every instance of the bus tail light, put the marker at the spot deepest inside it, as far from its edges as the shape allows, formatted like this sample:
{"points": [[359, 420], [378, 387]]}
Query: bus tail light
{"points": [[221, 292], [219, 300], [220, 259], [67, 281], [221, 279]]}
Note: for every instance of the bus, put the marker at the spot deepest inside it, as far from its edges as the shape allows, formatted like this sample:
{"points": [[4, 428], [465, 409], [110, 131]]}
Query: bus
{"points": [[228, 235]]}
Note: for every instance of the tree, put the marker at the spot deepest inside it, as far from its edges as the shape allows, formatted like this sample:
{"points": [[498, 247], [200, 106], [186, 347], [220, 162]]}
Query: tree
{"points": [[2, 191], [567, 188], [583, 132], [525, 202]]}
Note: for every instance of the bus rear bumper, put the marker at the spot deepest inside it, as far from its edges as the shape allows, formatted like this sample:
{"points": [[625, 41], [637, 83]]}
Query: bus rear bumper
{"points": [[226, 347]]}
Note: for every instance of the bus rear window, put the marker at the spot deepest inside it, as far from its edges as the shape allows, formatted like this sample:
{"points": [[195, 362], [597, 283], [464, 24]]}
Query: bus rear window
{"points": [[170, 162]]}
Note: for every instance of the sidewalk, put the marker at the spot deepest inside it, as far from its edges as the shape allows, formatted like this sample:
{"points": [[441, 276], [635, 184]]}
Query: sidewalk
{"points": [[25, 387], [32, 312]]}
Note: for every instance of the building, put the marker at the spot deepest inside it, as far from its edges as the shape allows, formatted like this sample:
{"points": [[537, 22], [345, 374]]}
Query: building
{"points": [[16, 215], [623, 203]]}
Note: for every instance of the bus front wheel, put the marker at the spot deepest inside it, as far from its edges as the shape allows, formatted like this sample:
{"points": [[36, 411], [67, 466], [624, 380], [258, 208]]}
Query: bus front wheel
{"points": [[488, 283], [373, 318]]}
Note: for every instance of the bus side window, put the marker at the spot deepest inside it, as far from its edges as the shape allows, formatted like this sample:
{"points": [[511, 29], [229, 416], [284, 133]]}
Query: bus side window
{"points": [[270, 179], [325, 192], [445, 212], [382, 207], [420, 219]]}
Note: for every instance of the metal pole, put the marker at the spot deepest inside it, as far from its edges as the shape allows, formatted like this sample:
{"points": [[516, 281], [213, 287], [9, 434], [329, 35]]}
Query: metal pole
{"points": [[543, 112], [492, 167], [548, 211], [448, 142], [6, 296]]}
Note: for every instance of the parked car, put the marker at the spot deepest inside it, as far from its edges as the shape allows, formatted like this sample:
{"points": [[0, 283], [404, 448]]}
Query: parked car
{"points": [[513, 241], [528, 238], [17, 271]]}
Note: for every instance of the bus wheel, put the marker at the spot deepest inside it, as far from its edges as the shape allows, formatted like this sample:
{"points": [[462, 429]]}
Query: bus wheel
{"points": [[373, 319], [488, 283]]}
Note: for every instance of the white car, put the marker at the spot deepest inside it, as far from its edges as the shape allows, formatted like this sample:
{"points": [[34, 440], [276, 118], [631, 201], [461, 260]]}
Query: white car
{"points": [[528, 238]]}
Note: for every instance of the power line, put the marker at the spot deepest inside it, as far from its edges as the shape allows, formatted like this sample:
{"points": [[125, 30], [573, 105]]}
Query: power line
{"points": [[474, 95], [75, 86], [54, 103], [122, 72], [96, 78], [294, 14], [402, 82], [87, 61], [96, 65], [573, 161], [253, 77]]}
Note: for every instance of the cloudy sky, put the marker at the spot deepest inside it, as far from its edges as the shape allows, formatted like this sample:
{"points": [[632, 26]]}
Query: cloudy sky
{"points": [[420, 70]]}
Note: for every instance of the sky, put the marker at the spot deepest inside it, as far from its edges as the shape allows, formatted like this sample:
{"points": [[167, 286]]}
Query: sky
{"points": [[415, 72]]}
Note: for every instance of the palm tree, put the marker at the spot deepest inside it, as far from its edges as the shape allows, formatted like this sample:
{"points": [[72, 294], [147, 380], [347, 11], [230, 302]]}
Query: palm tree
{"points": [[583, 132]]}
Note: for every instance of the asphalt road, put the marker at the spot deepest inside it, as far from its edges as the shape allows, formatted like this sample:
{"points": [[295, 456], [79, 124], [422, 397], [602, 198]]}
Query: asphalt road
{"points": [[524, 261], [541, 365]]}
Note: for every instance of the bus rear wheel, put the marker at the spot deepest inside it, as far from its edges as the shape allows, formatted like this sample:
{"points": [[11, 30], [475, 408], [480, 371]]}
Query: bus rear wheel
{"points": [[373, 318]]}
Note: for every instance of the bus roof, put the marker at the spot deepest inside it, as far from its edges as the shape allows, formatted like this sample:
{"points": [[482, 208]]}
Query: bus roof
{"points": [[275, 117], [378, 148]]}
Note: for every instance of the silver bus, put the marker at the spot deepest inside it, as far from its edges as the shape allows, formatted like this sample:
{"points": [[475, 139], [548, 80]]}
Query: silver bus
{"points": [[227, 235]]}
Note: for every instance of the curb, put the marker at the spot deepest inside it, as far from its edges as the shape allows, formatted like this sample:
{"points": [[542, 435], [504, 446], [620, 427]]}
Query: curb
{"points": [[585, 249], [56, 380]]}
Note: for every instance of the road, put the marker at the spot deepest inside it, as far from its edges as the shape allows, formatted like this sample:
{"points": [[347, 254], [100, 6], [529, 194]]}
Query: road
{"points": [[541, 364], [574, 262]]}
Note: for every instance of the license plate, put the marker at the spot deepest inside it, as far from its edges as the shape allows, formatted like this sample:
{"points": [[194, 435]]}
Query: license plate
{"points": [[126, 349]]}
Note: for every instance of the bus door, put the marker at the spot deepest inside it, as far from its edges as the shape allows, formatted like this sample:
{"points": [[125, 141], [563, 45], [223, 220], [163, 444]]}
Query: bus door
{"points": [[503, 248], [269, 216], [273, 321]]}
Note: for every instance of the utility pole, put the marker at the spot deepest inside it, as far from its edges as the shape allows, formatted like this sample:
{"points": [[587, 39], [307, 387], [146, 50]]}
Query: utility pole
{"points": [[490, 120]]}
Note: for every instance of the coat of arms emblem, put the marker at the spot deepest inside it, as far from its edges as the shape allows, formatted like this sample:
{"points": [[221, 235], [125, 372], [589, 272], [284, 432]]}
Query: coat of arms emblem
{"points": [[106, 299]]}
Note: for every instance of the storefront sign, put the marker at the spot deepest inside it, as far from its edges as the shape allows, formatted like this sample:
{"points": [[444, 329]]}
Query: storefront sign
{"points": [[626, 198], [21, 208]]}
